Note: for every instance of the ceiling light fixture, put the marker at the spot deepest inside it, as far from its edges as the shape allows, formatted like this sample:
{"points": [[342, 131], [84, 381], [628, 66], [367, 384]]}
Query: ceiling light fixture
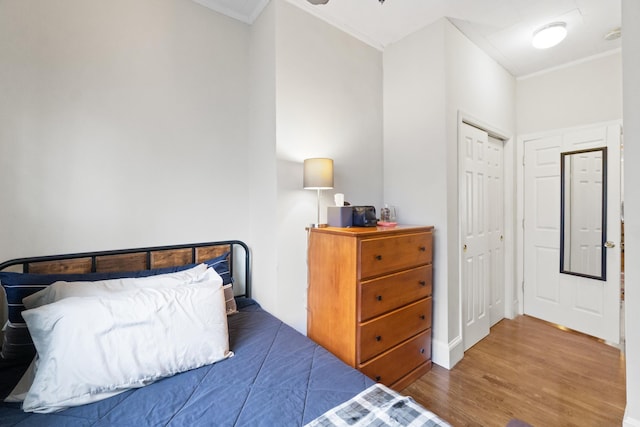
{"points": [[549, 35]]}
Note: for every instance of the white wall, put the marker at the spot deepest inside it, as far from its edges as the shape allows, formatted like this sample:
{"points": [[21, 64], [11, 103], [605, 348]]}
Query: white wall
{"points": [[557, 99], [631, 80], [329, 104], [122, 124], [429, 77], [480, 88], [160, 121], [415, 152], [262, 158]]}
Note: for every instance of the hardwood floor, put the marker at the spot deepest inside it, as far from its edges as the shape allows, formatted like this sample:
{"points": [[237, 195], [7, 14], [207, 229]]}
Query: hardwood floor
{"points": [[533, 371]]}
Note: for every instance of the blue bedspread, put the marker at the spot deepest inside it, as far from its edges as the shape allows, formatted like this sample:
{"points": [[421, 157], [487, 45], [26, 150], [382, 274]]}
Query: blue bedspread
{"points": [[278, 377]]}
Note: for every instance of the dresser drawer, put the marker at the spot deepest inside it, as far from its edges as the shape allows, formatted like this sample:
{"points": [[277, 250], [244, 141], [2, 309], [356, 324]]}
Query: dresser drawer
{"points": [[387, 293], [388, 254], [385, 331], [393, 365]]}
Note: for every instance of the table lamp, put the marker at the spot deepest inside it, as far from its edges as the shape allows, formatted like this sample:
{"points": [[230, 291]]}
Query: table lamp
{"points": [[318, 175]]}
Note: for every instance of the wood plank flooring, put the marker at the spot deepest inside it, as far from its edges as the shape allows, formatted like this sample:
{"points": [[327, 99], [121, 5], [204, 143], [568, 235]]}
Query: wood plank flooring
{"points": [[533, 371]]}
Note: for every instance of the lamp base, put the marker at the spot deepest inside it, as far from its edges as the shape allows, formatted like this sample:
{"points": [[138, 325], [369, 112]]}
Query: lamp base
{"points": [[318, 225]]}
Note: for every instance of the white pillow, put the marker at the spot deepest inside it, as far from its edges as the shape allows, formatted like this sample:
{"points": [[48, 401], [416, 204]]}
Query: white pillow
{"points": [[58, 290], [91, 346], [104, 288]]}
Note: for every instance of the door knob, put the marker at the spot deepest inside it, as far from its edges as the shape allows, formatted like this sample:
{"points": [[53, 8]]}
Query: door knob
{"points": [[609, 245]]}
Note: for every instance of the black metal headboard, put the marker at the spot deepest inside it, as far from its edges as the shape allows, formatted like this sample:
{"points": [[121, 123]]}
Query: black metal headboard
{"points": [[143, 259]]}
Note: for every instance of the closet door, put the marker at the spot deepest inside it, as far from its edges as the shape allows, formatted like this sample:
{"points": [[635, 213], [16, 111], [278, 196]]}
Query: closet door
{"points": [[495, 215], [481, 232]]}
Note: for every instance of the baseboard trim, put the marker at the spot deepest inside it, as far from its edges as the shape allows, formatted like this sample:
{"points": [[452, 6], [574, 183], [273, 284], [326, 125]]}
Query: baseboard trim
{"points": [[440, 353], [515, 309], [447, 355], [630, 422], [456, 351]]}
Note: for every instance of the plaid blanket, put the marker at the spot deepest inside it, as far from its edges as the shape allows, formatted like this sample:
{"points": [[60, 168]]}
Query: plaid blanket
{"points": [[378, 406]]}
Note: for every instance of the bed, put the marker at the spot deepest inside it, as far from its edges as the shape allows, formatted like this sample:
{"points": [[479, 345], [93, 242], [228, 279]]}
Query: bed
{"points": [[270, 374]]}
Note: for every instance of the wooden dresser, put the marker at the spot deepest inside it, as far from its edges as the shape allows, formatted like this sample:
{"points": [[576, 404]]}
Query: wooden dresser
{"points": [[369, 299]]}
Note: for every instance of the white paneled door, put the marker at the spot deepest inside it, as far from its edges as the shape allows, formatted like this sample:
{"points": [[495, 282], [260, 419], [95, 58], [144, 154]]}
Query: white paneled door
{"points": [[481, 227], [495, 216], [584, 304], [583, 247]]}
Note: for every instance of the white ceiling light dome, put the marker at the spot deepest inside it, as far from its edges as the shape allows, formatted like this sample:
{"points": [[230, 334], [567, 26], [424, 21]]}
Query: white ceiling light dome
{"points": [[549, 35]]}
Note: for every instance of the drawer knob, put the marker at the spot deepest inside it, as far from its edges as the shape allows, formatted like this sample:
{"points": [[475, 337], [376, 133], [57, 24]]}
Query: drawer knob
{"points": [[422, 316], [378, 338], [379, 297], [423, 248], [379, 257], [422, 351], [423, 283], [378, 378]]}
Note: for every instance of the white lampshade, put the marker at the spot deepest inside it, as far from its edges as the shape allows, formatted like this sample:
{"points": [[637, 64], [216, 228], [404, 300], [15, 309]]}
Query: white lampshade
{"points": [[549, 35], [318, 174]]}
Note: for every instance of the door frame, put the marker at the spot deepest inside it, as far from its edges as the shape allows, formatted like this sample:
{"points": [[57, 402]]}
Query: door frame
{"points": [[520, 199], [510, 295]]}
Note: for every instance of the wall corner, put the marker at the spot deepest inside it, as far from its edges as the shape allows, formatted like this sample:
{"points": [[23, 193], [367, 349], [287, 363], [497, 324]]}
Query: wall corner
{"points": [[446, 354]]}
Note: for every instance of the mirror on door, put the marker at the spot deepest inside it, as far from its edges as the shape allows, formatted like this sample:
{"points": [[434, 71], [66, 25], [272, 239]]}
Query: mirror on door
{"points": [[583, 192]]}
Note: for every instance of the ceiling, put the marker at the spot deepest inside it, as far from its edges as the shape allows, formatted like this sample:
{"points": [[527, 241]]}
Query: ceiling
{"points": [[502, 28], [243, 10]]}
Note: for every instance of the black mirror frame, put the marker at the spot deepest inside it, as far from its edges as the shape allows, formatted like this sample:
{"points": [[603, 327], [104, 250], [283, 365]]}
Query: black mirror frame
{"points": [[603, 262]]}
